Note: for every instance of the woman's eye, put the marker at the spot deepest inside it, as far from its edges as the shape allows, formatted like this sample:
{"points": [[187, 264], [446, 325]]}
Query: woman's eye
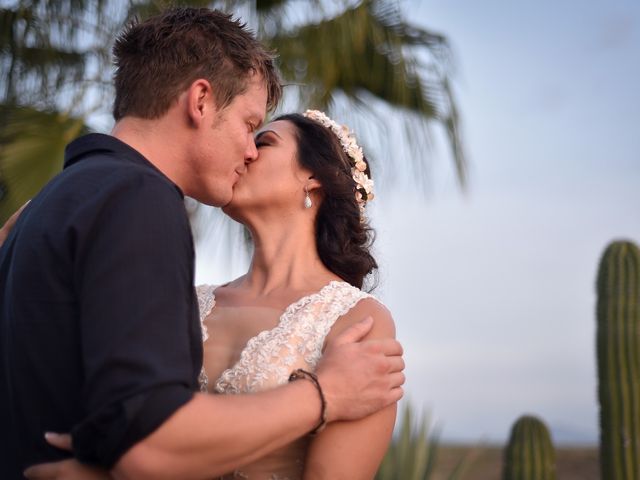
{"points": [[261, 143]]}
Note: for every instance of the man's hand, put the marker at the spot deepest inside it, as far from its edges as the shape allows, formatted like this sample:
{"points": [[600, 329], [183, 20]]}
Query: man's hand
{"points": [[359, 378], [64, 469], [6, 228]]}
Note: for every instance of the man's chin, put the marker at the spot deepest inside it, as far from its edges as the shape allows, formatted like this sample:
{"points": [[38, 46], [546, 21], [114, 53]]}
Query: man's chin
{"points": [[217, 200]]}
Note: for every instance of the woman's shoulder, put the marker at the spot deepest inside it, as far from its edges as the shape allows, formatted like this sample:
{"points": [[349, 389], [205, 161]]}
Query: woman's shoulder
{"points": [[367, 306]]}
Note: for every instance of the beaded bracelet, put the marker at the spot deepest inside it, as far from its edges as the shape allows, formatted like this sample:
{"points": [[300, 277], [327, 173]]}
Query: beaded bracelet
{"points": [[313, 378]]}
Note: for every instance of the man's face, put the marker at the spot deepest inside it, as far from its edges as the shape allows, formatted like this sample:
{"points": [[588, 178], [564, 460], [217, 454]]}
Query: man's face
{"points": [[226, 144]]}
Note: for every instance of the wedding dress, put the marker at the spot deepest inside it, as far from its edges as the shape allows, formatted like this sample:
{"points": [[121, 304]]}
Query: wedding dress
{"points": [[267, 360]]}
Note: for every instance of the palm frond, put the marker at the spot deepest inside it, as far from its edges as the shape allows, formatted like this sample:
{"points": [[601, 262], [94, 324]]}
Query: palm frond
{"points": [[44, 47], [266, 6], [369, 50], [149, 8], [32, 146]]}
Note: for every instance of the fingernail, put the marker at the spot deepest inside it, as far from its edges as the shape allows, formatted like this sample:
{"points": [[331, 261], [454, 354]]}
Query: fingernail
{"points": [[49, 435]]}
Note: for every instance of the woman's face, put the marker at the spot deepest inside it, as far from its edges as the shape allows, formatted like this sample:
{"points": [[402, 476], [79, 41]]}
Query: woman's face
{"points": [[274, 180]]}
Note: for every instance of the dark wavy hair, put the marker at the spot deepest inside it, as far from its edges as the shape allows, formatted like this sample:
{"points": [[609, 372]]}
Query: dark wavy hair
{"points": [[343, 240]]}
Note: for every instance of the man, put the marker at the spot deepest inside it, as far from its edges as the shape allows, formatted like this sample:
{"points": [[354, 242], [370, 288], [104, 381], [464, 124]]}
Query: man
{"points": [[99, 328]]}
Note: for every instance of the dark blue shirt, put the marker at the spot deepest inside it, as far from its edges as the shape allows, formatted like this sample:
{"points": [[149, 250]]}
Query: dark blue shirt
{"points": [[99, 329]]}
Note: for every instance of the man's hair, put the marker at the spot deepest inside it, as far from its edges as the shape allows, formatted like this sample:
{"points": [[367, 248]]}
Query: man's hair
{"points": [[157, 59]]}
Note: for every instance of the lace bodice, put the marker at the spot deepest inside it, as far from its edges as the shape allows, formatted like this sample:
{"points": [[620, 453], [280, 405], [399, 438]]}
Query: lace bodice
{"points": [[268, 358]]}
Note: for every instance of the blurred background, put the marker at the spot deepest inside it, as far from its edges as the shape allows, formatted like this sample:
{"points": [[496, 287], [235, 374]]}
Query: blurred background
{"points": [[505, 140]]}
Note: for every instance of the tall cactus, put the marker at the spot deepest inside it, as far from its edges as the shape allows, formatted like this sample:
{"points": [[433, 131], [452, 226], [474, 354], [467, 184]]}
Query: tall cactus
{"points": [[530, 454], [618, 347]]}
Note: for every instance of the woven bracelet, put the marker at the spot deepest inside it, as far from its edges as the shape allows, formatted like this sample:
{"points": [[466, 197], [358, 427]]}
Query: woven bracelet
{"points": [[313, 378]]}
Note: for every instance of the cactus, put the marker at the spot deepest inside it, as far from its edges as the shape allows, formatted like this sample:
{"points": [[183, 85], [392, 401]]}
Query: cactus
{"points": [[530, 454], [618, 349]]}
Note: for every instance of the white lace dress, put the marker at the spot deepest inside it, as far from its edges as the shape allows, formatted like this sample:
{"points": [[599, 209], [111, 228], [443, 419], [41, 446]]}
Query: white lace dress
{"points": [[268, 359]]}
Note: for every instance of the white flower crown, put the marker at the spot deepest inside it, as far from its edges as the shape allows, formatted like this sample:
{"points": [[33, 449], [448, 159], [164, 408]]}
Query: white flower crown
{"points": [[364, 185]]}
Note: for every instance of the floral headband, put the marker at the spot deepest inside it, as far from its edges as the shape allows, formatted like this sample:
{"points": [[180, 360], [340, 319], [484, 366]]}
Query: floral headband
{"points": [[364, 185]]}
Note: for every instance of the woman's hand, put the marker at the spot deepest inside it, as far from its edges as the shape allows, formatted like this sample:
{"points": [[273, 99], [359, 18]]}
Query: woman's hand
{"points": [[64, 469], [6, 228]]}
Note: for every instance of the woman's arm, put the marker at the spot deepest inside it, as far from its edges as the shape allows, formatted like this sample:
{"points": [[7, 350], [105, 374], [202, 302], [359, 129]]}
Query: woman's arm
{"points": [[353, 450], [8, 225]]}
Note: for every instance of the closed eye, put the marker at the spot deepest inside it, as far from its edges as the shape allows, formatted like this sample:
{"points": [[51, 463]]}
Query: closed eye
{"points": [[266, 138]]}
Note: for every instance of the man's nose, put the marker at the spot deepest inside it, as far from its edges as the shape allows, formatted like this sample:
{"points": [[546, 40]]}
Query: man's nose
{"points": [[252, 152]]}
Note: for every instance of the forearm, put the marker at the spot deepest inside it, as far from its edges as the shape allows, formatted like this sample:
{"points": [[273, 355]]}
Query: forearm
{"points": [[214, 434]]}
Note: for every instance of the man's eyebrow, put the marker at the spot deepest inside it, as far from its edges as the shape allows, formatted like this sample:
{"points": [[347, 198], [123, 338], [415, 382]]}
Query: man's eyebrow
{"points": [[262, 132]]}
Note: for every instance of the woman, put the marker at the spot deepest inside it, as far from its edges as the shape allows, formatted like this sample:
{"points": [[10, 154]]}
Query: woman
{"points": [[303, 200]]}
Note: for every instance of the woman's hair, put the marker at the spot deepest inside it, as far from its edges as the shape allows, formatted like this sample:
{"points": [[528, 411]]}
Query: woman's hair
{"points": [[157, 59], [343, 240]]}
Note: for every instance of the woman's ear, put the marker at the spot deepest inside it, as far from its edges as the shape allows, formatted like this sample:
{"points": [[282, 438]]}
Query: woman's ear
{"points": [[313, 183]]}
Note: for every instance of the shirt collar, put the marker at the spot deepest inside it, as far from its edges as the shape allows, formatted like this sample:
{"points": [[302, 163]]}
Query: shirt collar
{"points": [[94, 143]]}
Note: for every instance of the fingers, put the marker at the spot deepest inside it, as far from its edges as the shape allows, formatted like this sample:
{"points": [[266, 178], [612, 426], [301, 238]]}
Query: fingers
{"points": [[59, 440], [386, 346], [396, 379], [355, 332], [42, 471], [395, 395], [396, 364]]}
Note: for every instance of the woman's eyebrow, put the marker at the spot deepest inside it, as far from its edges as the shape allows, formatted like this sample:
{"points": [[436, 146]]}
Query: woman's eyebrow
{"points": [[261, 133]]}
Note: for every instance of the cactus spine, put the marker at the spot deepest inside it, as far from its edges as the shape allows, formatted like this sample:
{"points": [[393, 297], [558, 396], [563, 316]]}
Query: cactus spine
{"points": [[530, 454], [618, 349]]}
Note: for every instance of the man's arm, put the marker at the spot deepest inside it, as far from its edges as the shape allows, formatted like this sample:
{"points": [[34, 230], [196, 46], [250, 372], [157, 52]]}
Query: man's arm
{"points": [[213, 434]]}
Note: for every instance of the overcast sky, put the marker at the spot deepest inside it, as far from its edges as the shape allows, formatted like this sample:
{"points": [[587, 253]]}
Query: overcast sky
{"points": [[493, 291]]}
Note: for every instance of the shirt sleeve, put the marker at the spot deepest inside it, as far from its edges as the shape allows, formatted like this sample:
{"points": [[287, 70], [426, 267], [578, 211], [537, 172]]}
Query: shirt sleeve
{"points": [[137, 316]]}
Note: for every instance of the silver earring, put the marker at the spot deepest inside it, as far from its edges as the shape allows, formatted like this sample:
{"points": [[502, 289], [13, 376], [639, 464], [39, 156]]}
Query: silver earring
{"points": [[307, 199]]}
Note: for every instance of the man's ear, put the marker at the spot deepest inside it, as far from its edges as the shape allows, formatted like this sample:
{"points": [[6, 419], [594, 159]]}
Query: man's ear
{"points": [[199, 101]]}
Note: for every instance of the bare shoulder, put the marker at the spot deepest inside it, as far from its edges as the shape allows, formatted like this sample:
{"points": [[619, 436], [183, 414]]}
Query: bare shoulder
{"points": [[383, 324]]}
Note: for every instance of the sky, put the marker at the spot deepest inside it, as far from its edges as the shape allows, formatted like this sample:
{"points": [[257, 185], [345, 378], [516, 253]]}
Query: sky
{"points": [[493, 290]]}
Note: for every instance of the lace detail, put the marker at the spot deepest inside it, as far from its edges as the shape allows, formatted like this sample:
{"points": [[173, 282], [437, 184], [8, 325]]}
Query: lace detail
{"points": [[269, 357], [296, 342], [206, 302]]}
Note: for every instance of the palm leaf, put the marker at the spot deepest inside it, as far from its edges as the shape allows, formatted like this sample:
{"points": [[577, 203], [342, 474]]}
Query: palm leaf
{"points": [[32, 150], [146, 9], [44, 47], [369, 51]]}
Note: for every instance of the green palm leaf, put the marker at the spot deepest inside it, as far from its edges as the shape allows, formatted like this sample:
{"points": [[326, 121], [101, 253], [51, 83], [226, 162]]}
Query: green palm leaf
{"points": [[32, 150], [369, 50]]}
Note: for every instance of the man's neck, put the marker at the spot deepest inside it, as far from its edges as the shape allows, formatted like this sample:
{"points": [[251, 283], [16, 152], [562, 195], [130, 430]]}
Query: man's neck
{"points": [[157, 142]]}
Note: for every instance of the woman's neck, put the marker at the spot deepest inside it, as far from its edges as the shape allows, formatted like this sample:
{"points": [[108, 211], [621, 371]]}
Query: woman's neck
{"points": [[285, 258]]}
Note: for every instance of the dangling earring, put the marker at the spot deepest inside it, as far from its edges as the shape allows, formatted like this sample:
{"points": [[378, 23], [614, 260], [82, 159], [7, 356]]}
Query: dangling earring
{"points": [[307, 199]]}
